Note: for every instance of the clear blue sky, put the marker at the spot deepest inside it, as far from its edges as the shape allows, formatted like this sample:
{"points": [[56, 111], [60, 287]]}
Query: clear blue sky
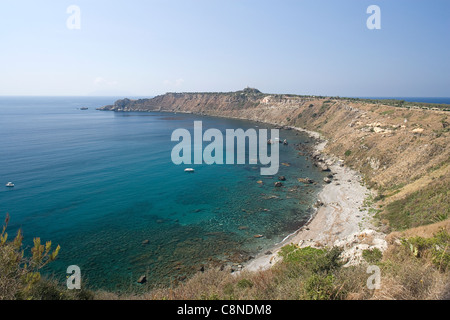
{"points": [[146, 47]]}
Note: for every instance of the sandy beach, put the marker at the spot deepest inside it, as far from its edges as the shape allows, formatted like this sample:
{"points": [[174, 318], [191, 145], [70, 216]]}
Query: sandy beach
{"points": [[339, 220]]}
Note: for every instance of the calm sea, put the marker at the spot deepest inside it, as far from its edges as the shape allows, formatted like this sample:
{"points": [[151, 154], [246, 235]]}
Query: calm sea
{"points": [[99, 184]]}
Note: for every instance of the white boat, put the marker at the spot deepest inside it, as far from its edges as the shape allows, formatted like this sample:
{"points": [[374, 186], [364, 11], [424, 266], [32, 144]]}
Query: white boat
{"points": [[10, 185], [189, 170]]}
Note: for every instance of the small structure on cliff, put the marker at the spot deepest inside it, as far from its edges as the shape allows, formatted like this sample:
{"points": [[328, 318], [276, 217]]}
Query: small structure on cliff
{"points": [[251, 91]]}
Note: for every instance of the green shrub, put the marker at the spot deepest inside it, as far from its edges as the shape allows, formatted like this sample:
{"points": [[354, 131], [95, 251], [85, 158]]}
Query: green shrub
{"points": [[425, 206], [440, 250], [229, 290], [320, 287], [244, 283], [372, 255], [312, 259], [19, 276], [437, 247], [388, 112], [324, 107]]}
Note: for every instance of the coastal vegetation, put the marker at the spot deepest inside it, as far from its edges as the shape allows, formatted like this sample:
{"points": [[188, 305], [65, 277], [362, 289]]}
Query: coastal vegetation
{"points": [[424, 206], [411, 268], [402, 103], [20, 276]]}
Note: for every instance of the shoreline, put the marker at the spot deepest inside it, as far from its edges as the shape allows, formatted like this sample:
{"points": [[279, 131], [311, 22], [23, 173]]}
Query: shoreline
{"points": [[339, 219]]}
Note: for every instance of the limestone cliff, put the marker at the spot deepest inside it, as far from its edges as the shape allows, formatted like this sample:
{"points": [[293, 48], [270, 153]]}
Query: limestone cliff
{"points": [[388, 145]]}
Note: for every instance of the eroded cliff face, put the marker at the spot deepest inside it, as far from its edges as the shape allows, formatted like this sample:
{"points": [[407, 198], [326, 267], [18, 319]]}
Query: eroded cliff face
{"points": [[388, 145]]}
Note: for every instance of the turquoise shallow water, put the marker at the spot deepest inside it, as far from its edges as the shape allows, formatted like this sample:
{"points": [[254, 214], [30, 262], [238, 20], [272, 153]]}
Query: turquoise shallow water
{"points": [[100, 183]]}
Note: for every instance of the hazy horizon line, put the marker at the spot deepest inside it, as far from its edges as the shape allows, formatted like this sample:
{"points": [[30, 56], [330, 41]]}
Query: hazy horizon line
{"points": [[154, 95]]}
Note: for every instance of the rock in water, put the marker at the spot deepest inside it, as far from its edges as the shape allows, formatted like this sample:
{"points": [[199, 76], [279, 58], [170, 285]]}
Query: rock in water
{"points": [[305, 180], [327, 180], [322, 166], [142, 279], [318, 204], [278, 184]]}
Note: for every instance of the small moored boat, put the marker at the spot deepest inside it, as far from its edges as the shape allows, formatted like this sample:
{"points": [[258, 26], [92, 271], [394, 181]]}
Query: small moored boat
{"points": [[10, 185], [189, 170]]}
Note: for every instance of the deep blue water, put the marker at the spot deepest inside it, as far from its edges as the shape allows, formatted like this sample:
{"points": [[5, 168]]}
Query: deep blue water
{"points": [[100, 183]]}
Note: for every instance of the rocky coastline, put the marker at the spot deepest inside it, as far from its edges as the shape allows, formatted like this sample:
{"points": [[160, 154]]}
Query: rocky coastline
{"points": [[339, 218]]}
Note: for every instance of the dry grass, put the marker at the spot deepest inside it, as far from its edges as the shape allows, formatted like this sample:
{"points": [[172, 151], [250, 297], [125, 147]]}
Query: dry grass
{"points": [[423, 231], [10, 274], [408, 278], [419, 184]]}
